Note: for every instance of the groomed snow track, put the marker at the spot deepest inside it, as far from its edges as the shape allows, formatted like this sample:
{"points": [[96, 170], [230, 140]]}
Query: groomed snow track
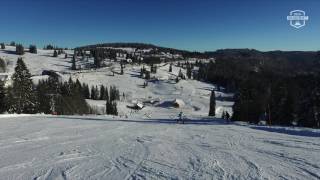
{"points": [[51, 147]]}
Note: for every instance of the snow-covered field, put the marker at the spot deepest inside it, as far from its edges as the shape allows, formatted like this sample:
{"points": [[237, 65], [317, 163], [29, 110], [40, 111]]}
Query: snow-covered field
{"points": [[102, 147], [194, 94], [147, 144]]}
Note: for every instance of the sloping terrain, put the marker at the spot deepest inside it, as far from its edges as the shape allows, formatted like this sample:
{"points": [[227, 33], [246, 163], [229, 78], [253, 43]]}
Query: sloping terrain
{"points": [[51, 147], [147, 144], [164, 90]]}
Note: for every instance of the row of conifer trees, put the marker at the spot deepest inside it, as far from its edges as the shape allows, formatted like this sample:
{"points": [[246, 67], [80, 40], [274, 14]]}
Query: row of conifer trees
{"points": [[51, 95]]}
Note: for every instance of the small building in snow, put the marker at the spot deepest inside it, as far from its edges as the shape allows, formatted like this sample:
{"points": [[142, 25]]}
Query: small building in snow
{"points": [[178, 103]]}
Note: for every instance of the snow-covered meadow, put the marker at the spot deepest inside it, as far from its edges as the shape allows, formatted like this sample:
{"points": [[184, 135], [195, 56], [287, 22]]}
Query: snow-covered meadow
{"points": [[194, 94]]}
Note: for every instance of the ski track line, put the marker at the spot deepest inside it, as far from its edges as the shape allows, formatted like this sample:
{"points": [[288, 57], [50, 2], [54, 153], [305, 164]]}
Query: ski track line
{"points": [[145, 156]]}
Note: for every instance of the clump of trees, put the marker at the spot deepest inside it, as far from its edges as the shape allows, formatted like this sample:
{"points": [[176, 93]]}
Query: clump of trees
{"points": [[49, 47], [55, 53], [33, 49], [19, 49], [65, 98], [275, 87], [110, 95], [49, 96], [52, 95], [111, 104]]}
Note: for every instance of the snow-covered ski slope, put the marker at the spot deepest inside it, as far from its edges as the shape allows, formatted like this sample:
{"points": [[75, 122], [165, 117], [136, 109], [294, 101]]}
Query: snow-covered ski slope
{"points": [[147, 144], [103, 147]]}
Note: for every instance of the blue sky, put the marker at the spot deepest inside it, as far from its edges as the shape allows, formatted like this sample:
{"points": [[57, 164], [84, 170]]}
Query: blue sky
{"points": [[185, 24]]}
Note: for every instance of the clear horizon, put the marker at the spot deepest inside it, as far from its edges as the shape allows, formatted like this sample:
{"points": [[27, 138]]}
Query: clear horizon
{"points": [[186, 25]]}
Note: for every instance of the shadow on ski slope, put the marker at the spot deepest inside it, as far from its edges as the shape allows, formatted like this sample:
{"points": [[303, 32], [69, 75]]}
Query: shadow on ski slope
{"points": [[290, 131], [202, 121]]}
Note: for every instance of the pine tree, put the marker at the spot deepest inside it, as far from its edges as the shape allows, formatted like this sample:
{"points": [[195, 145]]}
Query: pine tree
{"points": [[12, 43], [170, 68], [66, 56], [73, 67], [85, 91], [33, 49], [102, 93], [93, 92], [189, 72], [106, 93], [141, 72], [114, 108], [55, 53], [24, 100], [2, 97], [19, 49], [3, 46], [121, 68], [108, 107], [212, 110], [96, 93]]}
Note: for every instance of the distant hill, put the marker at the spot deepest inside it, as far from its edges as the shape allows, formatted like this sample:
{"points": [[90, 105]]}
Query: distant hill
{"points": [[281, 61], [137, 46]]}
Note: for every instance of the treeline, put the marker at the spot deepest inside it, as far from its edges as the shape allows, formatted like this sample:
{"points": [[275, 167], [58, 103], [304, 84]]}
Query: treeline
{"points": [[52, 47], [269, 88], [293, 100], [51, 95], [137, 46]]}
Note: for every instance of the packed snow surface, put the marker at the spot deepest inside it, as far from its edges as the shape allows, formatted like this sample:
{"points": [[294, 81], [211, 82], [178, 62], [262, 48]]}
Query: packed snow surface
{"points": [[105, 147]]}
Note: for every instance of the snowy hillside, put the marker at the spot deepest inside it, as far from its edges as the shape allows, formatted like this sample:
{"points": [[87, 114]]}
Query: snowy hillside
{"points": [[194, 94], [147, 143], [51, 147]]}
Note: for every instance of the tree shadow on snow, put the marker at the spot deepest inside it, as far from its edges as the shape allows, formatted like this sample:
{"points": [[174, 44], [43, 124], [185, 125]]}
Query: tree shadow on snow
{"points": [[9, 52], [289, 131], [203, 121]]}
